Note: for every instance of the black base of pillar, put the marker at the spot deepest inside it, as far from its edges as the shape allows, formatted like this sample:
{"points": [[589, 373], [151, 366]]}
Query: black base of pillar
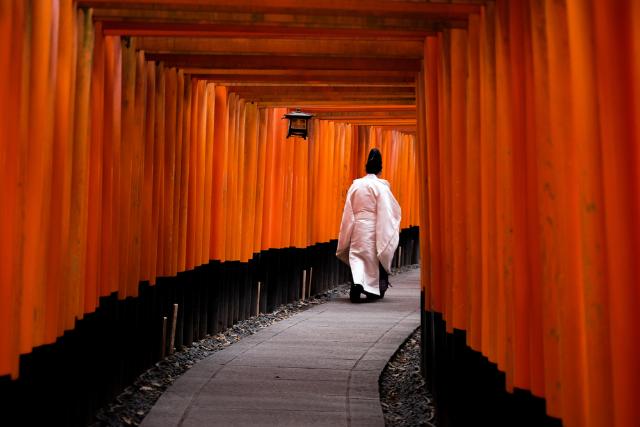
{"points": [[470, 390]]}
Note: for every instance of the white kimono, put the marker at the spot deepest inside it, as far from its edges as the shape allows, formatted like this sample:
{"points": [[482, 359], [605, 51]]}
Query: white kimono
{"points": [[369, 230]]}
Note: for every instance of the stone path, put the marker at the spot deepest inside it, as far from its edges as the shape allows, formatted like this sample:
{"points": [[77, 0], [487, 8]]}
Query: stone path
{"points": [[317, 368]]}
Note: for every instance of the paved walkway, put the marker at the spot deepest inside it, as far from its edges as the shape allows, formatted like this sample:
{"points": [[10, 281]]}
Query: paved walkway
{"points": [[317, 368]]}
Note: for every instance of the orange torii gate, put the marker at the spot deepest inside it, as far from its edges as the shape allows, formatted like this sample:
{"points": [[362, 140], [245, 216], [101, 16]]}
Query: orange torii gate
{"points": [[509, 131], [532, 156]]}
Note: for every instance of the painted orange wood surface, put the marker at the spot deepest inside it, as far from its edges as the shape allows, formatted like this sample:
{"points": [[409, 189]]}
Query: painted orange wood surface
{"points": [[200, 170], [457, 165], [240, 152], [261, 174], [12, 39], [219, 173], [571, 329], [111, 145], [551, 167], [432, 52], [250, 160], [125, 163], [232, 192], [169, 169], [268, 179], [158, 159], [81, 165], [613, 30], [178, 182], [37, 167], [472, 185], [504, 204], [185, 174], [61, 179], [147, 185], [547, 218], [421, 158], [590, 206], [139, 154], [96, 139]]}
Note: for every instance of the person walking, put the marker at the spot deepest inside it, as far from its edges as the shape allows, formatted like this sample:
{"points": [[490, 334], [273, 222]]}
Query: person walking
{"points": [[369, 231]]}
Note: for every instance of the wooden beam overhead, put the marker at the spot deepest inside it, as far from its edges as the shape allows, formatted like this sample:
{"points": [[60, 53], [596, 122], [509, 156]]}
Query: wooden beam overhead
{"points": [[310, 106], [411, 130], [305, 76], [360, 108], [428, 9], [284, 62], [255, 18], [282, 46], [399, 74], [286, 89], [374, 120], [199, 29], [362, 115], [234, 82], [256, 77], [291, 100], [243, 80], [387, 117]]}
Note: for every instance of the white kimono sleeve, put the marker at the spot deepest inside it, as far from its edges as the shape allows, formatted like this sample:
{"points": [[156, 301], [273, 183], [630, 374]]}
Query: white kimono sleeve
{"points": [[387, 225], [346, 229]]}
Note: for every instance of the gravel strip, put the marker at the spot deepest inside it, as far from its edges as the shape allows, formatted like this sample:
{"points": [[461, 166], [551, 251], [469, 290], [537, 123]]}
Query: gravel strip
{"points": [[403, 394], [133, 404]]}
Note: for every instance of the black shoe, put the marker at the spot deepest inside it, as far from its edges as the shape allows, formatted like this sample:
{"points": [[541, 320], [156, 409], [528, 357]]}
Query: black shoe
{"points": [[354, 293], [384, 285], [373, 297]]}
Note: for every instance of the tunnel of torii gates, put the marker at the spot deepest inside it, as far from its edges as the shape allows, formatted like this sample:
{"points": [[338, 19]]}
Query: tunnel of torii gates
{"points": [[144, 162]]}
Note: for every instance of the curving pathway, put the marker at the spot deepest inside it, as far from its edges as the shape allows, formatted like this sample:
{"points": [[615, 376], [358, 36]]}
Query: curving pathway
{"points": [[317, 368]]}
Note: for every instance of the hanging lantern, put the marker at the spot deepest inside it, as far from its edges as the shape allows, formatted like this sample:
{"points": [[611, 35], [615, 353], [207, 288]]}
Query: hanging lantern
{"points": [[298, 123]]}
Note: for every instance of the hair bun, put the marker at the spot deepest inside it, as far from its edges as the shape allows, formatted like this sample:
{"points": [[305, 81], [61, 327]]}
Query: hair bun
{"points": [[374, 161]]}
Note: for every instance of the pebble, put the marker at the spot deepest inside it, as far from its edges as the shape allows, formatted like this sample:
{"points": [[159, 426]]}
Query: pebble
{"points": [[404, 396]]}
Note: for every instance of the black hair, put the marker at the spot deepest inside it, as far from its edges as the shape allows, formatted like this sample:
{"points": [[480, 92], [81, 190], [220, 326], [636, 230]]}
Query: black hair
{"points": [[374, 162]]}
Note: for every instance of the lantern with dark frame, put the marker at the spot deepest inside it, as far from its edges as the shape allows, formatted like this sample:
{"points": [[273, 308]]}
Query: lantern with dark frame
{"points": [[298, 123]]}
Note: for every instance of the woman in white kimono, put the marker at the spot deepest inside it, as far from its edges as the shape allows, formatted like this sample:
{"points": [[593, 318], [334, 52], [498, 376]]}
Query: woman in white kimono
{"points": [[369, 231]]}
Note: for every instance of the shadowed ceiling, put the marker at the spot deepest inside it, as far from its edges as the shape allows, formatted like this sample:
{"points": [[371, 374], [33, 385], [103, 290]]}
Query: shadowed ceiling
{"points": [[345, 60]]}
